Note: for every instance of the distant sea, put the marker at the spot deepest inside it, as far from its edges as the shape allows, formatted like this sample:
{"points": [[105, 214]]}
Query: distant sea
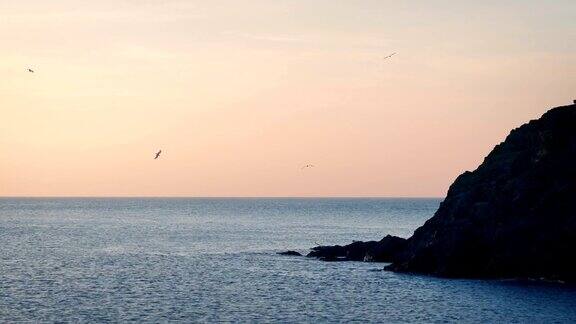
{"points": [[214, 260]]}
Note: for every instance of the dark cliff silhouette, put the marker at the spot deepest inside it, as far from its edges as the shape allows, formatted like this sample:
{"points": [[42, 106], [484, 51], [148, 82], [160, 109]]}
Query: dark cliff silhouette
{"points": [[514, 216]]}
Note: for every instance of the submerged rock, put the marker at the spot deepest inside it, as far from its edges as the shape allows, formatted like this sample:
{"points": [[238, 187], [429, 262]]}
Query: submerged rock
{"points": [[514, 216], [291, 253]]}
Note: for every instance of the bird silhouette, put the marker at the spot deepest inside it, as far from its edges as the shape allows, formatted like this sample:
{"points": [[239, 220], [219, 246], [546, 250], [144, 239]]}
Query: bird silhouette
{"points": [[307, 166], [389, 56], [30, 70], [157, 154]]}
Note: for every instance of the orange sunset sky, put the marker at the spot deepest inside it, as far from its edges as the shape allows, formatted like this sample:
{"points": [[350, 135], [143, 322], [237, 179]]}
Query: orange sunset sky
{"points": [[240, 94]]}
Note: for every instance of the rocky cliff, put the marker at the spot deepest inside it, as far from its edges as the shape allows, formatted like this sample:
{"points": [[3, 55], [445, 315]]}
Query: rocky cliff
{"points": [[514, 216]]}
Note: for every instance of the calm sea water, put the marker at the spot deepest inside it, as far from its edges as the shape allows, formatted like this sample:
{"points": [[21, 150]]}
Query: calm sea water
{"points": [[212, 260]]}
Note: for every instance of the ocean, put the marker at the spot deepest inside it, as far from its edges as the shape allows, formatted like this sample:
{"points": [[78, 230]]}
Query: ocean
{"points": [[214, 260]]}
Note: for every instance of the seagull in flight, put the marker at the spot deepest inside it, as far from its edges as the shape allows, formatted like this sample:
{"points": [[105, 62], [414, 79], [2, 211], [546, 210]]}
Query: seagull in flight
{"points": [[389, 56], [307, 166], [30, 70], [157, 154]]}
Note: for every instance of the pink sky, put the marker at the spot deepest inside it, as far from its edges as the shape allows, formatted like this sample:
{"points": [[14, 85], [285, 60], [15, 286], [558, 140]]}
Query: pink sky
{"points": [[240, 95]]}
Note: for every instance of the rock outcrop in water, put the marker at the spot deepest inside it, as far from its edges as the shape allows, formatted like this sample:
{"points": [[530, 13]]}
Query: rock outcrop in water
{"points": [[290, 253], [375, 251], [514, 216]]}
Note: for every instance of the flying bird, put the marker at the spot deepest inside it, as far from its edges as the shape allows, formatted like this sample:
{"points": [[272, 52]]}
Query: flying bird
{"points": [[307, 166], [157, 154], [30, 70], [389, 56]]}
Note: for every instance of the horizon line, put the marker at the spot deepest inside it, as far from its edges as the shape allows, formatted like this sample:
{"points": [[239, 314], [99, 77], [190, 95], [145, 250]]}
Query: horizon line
{"points": [[231, 197]]}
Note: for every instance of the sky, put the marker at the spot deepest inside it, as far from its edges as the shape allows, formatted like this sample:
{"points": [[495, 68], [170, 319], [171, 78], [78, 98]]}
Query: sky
{"points": [[240, 94]]}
